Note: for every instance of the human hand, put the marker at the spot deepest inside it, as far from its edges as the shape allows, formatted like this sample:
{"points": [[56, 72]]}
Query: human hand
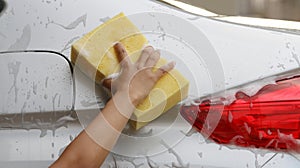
{"points": [[137, 79]]}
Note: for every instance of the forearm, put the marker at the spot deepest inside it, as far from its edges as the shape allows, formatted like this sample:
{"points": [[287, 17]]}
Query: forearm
{"points": [[108, 125], [93, 144], [133, 85]]}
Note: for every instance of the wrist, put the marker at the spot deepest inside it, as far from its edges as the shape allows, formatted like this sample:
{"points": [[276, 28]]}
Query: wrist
{"points": [[131, 99], [122, 104]]}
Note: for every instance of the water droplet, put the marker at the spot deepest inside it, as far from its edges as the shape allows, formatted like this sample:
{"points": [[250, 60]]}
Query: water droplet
{"points": [[200, 154]]}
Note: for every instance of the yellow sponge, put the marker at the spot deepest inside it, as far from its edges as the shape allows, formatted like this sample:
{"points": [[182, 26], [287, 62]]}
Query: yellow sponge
{"points": [[95, 56]]}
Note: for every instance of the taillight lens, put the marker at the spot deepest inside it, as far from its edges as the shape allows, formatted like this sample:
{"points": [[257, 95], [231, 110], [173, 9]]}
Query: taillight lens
{"points": [[268, 119]]}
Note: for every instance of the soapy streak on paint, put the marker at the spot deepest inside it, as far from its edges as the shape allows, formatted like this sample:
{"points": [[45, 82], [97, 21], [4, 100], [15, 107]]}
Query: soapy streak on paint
{"points": [[179, 160], [30, 121], [128, 130], [104, 19], [3, 35], [295, 56], [194, 18], [46, 81], [69, 43], [289, 46], [151, 163], [127, 159], [88, 103], [23, 42], [72, 25], [35, 120], [190, 132], [13, 69]]}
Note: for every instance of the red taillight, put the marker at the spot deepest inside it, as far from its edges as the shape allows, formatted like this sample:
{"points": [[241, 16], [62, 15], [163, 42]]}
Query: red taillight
{"points": [[268, 119]]}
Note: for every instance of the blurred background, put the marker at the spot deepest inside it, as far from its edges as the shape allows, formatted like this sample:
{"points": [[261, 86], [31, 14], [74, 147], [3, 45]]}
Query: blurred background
{"points": [[275, 9], [2, 5]]}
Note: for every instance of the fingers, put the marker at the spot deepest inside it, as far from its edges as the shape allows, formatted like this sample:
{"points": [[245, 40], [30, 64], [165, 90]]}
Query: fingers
{"points": [[164, 69], [144, 56], [122, 54], [152, 59]]}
